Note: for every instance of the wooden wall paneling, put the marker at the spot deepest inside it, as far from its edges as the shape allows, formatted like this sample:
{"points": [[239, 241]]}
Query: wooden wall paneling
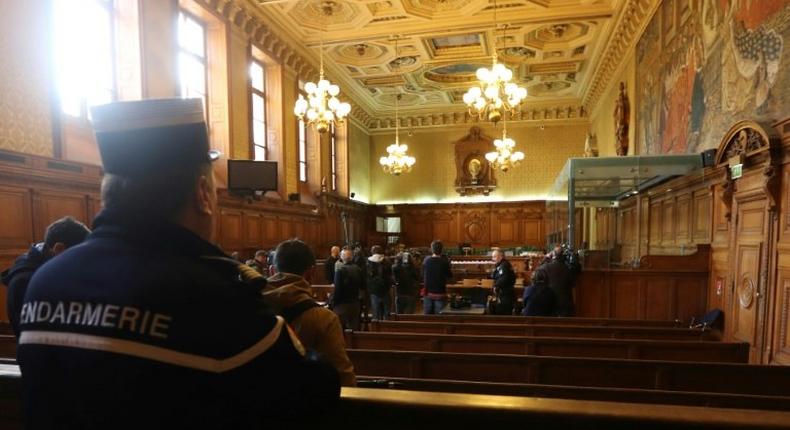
{"points": [[600, 230], [689, 297], [269, 229], [284, 228], [701, 211], [668, 239], [231, 230], [505, 227], [683, 220], [654, 236], [592, 294], [781, 318], [16, 224], [722, 215], [253, 231], [658, 297], [625, 297], [532, 231], [53, 205], [297, 229], [718, 282], [444, 228]]}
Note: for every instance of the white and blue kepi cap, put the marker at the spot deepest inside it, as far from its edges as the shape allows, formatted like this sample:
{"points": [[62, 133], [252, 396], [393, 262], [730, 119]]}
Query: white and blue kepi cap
{"points": [[140, 138]]}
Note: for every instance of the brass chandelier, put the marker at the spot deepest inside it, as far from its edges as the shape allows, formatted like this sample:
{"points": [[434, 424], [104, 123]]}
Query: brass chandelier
{"points": [[504, 156], [322, 108], [495, 94], [397, 161]]}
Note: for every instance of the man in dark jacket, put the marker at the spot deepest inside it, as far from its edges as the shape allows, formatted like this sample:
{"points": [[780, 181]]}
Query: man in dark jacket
{"points": [[504, 284], [379, 283], [435, 273], [407, 286], [261, 262], [60, 235], [146, 322], [538, 297], [329, 264], [561, 282], [349, 282]]}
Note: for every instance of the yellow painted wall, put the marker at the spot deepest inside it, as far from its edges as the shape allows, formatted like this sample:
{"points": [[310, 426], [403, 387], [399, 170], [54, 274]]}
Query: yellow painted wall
{"points": [[602, 118], [359, 162], [433, 176], [25, 109]]}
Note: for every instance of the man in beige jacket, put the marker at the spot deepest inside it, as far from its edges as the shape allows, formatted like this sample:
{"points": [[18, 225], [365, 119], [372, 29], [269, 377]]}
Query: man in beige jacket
{"points": [[290, 295]]}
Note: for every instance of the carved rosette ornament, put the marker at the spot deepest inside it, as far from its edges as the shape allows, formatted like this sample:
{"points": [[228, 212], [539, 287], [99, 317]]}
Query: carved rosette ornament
{"points": [[475, 227], [746, 292]]}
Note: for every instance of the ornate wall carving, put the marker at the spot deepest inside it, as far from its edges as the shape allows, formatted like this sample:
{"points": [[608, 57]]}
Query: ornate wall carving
{"points": [[474, 174]]}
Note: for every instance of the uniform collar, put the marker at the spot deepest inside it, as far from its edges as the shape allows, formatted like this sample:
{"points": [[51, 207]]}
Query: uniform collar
{"points": [[151, 231]]}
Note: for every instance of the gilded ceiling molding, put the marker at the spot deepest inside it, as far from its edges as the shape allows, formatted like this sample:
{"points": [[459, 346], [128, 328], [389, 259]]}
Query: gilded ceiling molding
{"points": [[536, 114], [627, 30], [251, 22]]}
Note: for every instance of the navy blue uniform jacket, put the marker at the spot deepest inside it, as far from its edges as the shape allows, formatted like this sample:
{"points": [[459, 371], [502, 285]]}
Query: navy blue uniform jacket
{"points": [[145, 325]]}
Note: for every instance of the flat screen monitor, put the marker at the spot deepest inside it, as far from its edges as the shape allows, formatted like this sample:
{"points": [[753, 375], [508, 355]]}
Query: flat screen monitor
{"points": [[249, 175]]}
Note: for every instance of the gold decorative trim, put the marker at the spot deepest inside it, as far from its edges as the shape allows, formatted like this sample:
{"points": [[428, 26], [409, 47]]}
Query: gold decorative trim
{"points": [[536, 114], [253, 23], [628, 29]]}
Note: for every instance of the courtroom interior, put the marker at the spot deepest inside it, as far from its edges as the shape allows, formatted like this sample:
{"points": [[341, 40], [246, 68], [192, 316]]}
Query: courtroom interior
{"points": [[400, 213]]}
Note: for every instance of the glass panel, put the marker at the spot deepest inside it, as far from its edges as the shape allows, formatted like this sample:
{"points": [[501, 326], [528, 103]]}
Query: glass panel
{"points": [[257, 108], [260, 153], [193, 76], [191, 35], [258, 133], [83, 54], [302, 147], [256, 76], [302, 171]]}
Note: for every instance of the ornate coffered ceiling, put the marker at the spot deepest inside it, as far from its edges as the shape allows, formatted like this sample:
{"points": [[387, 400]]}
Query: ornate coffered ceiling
{"points": [[553, 47]]}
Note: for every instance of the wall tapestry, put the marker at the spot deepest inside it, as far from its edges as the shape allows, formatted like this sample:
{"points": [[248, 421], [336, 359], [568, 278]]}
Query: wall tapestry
{"points": [[702, 65]]}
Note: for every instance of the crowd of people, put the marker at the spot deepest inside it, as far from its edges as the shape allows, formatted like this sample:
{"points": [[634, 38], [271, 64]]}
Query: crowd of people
{"points": [[361, 281], [144, 320]]}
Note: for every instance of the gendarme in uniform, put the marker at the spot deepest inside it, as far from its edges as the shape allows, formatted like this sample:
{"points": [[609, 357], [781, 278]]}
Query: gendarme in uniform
{"points": [[146, 324]]}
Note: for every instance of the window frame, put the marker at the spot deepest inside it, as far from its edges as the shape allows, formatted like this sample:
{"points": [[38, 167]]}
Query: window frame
{"points": [[301, 142], [84, 109], [333, 156], [262, 94], [204, 60]]}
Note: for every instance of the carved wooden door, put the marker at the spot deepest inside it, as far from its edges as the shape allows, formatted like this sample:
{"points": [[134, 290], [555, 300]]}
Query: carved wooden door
{"points": [[747, 305]]}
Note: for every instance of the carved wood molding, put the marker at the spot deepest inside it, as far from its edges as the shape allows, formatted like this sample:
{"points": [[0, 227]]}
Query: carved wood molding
{"points": [[246, 18], [745, 138], [540, 114], [752, 144], [628, 29]]}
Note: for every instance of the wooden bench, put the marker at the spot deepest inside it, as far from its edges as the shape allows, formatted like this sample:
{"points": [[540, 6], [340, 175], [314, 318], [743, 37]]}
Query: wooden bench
{"points": [[627, 395], [505, 319], [397, 409], [656, 333], [573, 371], [728, 352]]}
